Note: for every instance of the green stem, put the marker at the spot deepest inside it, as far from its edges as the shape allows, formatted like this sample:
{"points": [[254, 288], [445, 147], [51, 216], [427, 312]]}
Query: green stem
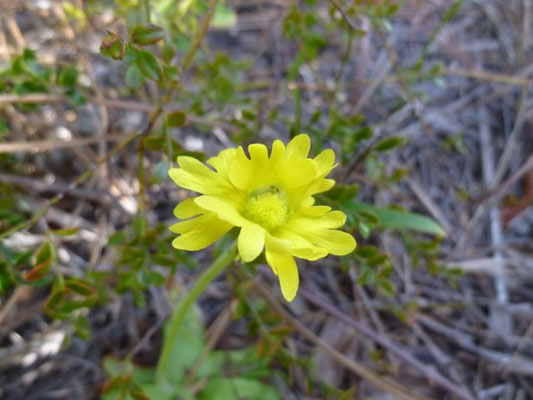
{"points": [[183, 306]]}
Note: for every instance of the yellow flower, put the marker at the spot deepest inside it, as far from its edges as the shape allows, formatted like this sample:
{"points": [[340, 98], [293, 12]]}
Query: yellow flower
{"points": [[270, 198]]}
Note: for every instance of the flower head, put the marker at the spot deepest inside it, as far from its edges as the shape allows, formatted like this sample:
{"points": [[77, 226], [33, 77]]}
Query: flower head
{"points": [[270, 198]]}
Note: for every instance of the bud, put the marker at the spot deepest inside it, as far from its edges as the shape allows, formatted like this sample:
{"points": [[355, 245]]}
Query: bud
{"points": [[113, 46], [145, 35]]}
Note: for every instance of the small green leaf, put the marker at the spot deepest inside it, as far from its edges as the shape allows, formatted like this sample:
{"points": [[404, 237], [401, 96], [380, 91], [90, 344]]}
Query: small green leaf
{"points": [[386, 287], [366, 251], [67, 77], [45, 252], [224, 17], [367, 276], [160, 172], [389, 143], [113, 46], [147, 34], [341, 193], [117, 238], [65, 232], [149, 65], [134, 78], [79, 286], [364, 133], [394, 219], [39, 271], [176, 118], [76, 97]]}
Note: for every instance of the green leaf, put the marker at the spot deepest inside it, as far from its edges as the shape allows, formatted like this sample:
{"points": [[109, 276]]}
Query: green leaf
{"points": [[237, 388], [224, 17], [147, 34], [176, 118], [386, 286], [113, 46], [389, 143], [395, 219], [149, 65], [67, 77], [134, 78], [65, 232], [188, 346], [160, 172], [76, 97], [79, 286], [341, 193], [45, 252]]}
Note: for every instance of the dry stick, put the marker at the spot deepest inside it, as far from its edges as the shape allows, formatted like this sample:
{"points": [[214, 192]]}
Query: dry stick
{"points": [[429, 371], [82, 178], [487, 76], [506, 157], [110, 103], [39, 185], [526, 25], [513, 363], [506, 186], [17, 294], [358, 368], [500, 320], [44, 145], [382, 76], [31, 98]]}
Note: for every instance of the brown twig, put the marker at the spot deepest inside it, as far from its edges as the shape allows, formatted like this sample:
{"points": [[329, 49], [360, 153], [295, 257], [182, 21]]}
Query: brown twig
{"points": [[393, 388], [429, 371]]}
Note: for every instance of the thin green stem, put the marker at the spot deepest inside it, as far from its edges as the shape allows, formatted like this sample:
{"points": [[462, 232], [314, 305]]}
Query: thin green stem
{"points": [[200, 37], [184, 305]]}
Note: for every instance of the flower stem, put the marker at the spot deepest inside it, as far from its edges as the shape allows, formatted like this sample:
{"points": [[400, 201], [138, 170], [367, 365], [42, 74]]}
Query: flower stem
{"points": [[183, 306]]}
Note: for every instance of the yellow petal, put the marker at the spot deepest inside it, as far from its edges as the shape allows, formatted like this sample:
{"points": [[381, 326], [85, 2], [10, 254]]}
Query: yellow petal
{"points": [[302, 196], [187, 209], [320, 186], [278, 151], [325, 162], [223, 209], [310, 253], [287, 272], [241, 171], [338, 243], [301, 247], [316, 211], [276, 244], [199, 232], [317, 216], [194, 175], [312, 229], [251, 241], [295, 173], [258, 153], [222, 161], [299, 146]]}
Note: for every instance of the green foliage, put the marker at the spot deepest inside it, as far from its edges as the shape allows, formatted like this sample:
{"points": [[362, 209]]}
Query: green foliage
{"points": [[392, 218], [231, 375], [25, 76]]}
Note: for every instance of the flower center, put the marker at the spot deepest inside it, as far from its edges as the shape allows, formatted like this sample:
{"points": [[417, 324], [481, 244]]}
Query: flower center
{"points": [[267, 206]]}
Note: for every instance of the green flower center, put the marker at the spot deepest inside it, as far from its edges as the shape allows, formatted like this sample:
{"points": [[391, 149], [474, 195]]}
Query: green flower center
{"points": [[267, 206]]}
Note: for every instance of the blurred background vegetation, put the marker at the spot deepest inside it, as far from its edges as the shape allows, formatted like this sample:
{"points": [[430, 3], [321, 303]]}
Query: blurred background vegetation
{"points": [[428, 106]]}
